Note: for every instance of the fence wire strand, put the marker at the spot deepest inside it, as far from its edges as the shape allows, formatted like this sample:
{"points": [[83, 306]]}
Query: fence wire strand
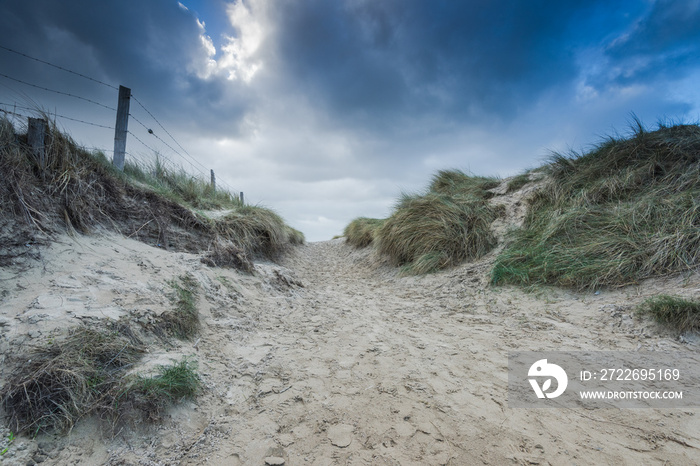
{"points": [[58, 67], [192, 161]]}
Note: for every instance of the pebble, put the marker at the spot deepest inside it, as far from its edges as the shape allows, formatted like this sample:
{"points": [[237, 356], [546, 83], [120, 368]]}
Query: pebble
{"points": [[274, 461]]}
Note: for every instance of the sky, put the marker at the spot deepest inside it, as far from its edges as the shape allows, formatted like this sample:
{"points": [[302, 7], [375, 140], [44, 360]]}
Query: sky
{"points": [[326, 110]]}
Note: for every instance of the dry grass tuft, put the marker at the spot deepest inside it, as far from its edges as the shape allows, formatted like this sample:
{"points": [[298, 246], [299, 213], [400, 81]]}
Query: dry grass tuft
{"points": [[183, 321], [362, 231], [258, 232], [677, 313], [226, 254], [68, 378]]}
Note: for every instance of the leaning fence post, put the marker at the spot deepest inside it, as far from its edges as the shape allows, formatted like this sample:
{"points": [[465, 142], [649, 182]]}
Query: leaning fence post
{"points": [[213, 181], [36, 134], [121, 127]]}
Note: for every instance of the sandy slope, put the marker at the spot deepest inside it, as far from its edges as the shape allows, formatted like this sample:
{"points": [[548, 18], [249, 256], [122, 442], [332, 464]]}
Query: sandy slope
{"points": [[333, 359]]}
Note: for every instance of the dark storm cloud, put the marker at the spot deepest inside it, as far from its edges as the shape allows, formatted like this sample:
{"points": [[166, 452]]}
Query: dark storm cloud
{"points": [[154, 47], [464, 60]]}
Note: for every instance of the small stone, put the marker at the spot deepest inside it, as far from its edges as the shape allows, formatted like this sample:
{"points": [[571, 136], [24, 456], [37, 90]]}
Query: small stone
{"points": [[274, 461], [340, 435]]}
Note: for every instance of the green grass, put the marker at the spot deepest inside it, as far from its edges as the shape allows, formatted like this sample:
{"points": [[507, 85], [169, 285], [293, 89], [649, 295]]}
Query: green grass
{"points": [[8, 443], [362, 231], [625, 211], [149, 396], [518, 182], [179, 186], [183, 321], [677, 313], [171, 384], [445, 226]]}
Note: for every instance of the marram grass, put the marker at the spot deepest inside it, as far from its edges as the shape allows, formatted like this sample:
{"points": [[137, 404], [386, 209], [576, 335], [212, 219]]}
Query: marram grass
{"points": [[427, 232], [449, 224], [627, 210], [430, 232]]}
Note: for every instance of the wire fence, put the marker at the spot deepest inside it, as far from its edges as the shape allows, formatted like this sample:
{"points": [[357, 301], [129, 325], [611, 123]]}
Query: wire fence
{"points": [[170, 152]]}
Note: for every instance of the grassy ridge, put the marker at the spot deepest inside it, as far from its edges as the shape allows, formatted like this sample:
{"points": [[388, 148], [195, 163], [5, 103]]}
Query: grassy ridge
{"points": [[179, 186], [627, 210], [82, 190]]}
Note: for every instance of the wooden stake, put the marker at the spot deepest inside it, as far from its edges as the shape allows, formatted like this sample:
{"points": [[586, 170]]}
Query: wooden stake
{"points": [[36, 134], [121, 127]]}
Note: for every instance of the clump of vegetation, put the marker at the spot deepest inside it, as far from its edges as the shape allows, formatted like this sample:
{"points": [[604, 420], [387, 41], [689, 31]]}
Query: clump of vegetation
{"points": [[294, 236], [172, 384], [677, 313], [258, 231], [362, 231], [445, 226], [518, 182], [627, 210], [459, 184], [68, 378], [84, 373], [183, 321], [226, 254]]}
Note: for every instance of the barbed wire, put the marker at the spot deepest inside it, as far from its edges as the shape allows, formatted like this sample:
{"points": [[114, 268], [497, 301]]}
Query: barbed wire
{"points": [[58, 92], [159, 124], [58, 67], [60, 116], [7, 112], [157, 153], [191, 160], [152, 133]]}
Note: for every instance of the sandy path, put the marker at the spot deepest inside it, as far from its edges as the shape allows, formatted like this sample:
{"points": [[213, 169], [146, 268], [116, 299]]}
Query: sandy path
{"points": [[361, 367], [333, 359]]}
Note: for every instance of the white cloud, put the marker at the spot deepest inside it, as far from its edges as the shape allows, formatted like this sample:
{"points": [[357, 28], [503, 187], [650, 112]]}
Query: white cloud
{"points": [[239, 58]]}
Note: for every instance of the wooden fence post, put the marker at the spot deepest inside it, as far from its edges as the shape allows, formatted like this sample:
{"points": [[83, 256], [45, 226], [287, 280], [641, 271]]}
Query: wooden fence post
{"points": [[242, 200], [213, 181], [121, 127], [36, 134]]}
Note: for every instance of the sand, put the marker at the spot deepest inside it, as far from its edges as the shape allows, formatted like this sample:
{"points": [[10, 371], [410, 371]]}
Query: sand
{"points": [[332, 358]]}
